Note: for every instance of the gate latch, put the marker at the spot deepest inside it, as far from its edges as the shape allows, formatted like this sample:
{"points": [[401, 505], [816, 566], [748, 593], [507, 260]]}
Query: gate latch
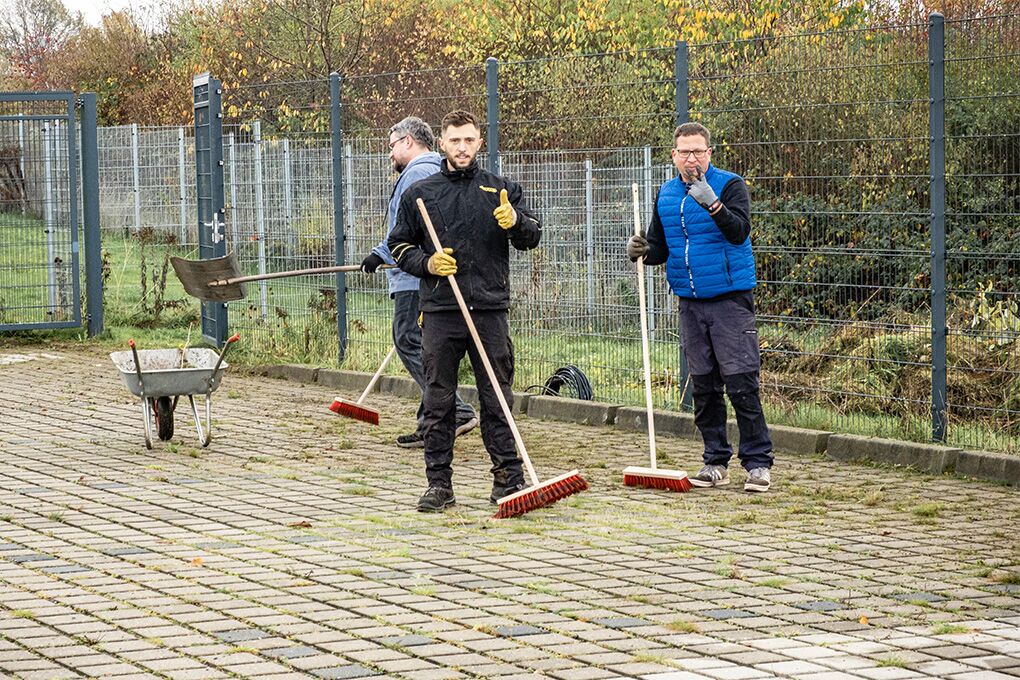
{"points": [[216, 228]]}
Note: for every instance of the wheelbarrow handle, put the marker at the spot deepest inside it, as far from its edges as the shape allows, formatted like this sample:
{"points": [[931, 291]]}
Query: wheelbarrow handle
{"points": [[219, 360], [138, 368]]}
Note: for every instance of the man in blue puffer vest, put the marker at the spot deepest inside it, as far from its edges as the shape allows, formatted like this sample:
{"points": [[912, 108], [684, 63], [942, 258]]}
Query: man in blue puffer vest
{"points": [[411, 154], [701, 229]]}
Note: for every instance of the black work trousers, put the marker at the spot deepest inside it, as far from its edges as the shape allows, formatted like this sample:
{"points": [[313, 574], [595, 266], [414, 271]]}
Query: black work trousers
{"points": [[445, 339]]}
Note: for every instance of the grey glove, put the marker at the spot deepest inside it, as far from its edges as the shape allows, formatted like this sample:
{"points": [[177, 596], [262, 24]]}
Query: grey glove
{"points": [[700, 191], [637, 246]]}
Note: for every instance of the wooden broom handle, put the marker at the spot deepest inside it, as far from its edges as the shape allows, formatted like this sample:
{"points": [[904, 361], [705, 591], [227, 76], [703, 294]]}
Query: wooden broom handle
{"points": [[375, 378], [481, 349], [642, 303]]}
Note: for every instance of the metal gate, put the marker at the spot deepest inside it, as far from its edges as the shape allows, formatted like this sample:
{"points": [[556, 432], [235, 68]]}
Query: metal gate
{"points": [[39, 269], [209, 181]]}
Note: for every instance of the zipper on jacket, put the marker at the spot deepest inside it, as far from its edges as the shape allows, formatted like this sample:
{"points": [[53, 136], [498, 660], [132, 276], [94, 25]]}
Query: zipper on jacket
{"points": [[687, 247]]}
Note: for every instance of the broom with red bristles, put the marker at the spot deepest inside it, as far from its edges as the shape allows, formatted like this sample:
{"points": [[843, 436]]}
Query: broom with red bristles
{"points": [[354, 409], [650, 477], [539, 494]]}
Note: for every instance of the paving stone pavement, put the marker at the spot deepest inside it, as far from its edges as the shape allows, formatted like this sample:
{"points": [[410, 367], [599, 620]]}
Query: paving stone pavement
{"points": [[291, 548]]}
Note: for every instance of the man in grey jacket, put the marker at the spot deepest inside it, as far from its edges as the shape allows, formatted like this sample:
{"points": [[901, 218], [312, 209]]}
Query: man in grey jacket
{"points": [[411, 143]]}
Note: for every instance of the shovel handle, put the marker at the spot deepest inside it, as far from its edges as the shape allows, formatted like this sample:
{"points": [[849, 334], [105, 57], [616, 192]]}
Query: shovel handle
{"points": [[296, 272], [138, 368]]}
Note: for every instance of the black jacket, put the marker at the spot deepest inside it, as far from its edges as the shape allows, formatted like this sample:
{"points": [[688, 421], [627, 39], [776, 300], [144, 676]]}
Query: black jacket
{"points": [[460, 204]]}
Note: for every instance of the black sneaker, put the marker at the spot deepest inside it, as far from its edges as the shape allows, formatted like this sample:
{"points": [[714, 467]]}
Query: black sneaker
{"points": [[465, 425], [501, 490], [415, 440], [436, 499]]}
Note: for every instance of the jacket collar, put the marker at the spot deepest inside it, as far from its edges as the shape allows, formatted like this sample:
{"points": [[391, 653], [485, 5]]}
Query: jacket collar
{"points": [[466, 173], [427, 157]]}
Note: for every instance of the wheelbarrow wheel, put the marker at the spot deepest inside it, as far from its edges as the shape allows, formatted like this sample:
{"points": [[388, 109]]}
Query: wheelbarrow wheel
{"points": [[164, 409]]}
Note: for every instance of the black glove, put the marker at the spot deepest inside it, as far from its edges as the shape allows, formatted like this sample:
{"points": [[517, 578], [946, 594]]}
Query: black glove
{"points": [[371, 263]]}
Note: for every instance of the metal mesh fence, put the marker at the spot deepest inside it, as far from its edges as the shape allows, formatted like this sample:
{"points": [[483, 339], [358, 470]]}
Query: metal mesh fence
{"points": [[38, 280], [839, 180], [982, 225]]}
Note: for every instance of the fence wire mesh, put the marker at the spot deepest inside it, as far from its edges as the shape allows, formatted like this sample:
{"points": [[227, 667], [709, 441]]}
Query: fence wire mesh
{"points": [[38, 201], [840, 185]]}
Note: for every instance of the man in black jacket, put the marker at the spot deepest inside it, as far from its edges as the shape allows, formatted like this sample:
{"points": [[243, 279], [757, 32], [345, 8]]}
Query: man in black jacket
{"points": [[478, 216]]}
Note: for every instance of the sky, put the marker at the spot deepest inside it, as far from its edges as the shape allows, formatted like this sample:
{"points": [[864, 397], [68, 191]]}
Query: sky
{"points": [[94, 10]]}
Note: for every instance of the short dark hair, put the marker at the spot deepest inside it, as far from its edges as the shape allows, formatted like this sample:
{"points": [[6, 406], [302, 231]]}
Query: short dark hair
{"points": [[690, 129], [416, 129], [460, 117]]}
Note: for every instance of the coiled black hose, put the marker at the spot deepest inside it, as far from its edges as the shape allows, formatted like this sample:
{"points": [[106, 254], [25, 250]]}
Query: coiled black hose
{"points": [[570, 377]]}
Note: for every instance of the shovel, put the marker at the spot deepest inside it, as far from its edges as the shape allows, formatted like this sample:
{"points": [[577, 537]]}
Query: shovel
{"points": [[219, 279]]}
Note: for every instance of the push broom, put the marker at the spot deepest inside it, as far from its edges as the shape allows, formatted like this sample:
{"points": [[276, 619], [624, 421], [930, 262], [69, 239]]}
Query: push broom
{"points": [[356, 409], [539, 494], [650, 477]]}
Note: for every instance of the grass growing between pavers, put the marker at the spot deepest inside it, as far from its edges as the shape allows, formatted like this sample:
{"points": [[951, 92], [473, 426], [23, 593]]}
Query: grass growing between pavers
{"points": [[603, 558]]}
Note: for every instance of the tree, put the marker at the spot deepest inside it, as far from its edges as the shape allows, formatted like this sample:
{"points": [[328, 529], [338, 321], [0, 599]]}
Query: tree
{"points": [[32, 32]]}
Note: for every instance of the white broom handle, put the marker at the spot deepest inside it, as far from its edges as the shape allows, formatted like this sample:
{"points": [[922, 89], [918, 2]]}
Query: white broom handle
{"points": [[481, 349], [644, 329], [375, 378]]}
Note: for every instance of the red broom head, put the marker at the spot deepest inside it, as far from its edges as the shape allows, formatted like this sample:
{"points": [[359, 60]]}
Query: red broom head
{"points": [[356, 411], [546, 493], [671, 480]]}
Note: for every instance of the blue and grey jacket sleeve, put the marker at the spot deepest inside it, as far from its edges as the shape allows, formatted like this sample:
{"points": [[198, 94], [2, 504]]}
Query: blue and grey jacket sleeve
{"points": [[406, 239], [411, 175]]}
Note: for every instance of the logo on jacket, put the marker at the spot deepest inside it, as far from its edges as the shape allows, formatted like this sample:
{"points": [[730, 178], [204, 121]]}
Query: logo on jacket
{"points": [[489, 189]]}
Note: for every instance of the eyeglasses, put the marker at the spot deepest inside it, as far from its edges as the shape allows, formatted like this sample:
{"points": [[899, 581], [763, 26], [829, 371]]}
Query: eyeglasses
{"points": [[697, 153], [395, 141]]}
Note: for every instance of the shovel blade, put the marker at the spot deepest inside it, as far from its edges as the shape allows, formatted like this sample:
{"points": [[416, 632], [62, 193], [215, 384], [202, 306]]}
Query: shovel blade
{"points": [[207, 279]]}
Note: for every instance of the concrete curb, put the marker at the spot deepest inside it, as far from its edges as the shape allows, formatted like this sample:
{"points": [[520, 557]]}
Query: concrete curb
{"points": [[345, 380], [666, 422], [931, 458], [990, 466], [572, 410], [924, 457], [294, 372]]}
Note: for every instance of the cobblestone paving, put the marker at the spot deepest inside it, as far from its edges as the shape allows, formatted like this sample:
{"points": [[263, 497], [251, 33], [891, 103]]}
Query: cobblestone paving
{"points": [[290, 548]]}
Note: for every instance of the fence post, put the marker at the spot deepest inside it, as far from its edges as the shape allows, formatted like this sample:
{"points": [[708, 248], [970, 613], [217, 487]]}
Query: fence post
{"points": [[937, 156], [589, 232], [260, 218], [182, 182], [135, 176], [234, 233], [51, 274], [90, 215], [336, 146], [492, 113], [207, 94], [681, 75]]}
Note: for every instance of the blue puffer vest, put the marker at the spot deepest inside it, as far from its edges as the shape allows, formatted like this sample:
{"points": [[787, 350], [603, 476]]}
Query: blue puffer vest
{"points": [[702, 263]]}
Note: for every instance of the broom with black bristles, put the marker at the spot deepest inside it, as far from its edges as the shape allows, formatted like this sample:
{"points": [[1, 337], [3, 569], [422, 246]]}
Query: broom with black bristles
{"points": [[539, 494], [355, 409], [651, 477]]}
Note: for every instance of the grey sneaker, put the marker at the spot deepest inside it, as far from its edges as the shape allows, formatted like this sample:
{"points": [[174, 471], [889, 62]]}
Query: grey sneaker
{"points": [[758, 479], [464, 426], [711, 475]]}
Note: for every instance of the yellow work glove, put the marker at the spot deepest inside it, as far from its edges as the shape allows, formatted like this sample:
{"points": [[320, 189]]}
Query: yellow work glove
{"points": [[442, 263], [505, 214]]}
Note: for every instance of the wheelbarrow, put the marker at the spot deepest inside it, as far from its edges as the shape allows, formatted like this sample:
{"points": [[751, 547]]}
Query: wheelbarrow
{"points": [[162, 376], [219, 279]]}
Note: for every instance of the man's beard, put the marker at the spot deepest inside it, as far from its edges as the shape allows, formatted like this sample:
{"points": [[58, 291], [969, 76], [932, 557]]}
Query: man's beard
{"points": [[397, 167]]}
